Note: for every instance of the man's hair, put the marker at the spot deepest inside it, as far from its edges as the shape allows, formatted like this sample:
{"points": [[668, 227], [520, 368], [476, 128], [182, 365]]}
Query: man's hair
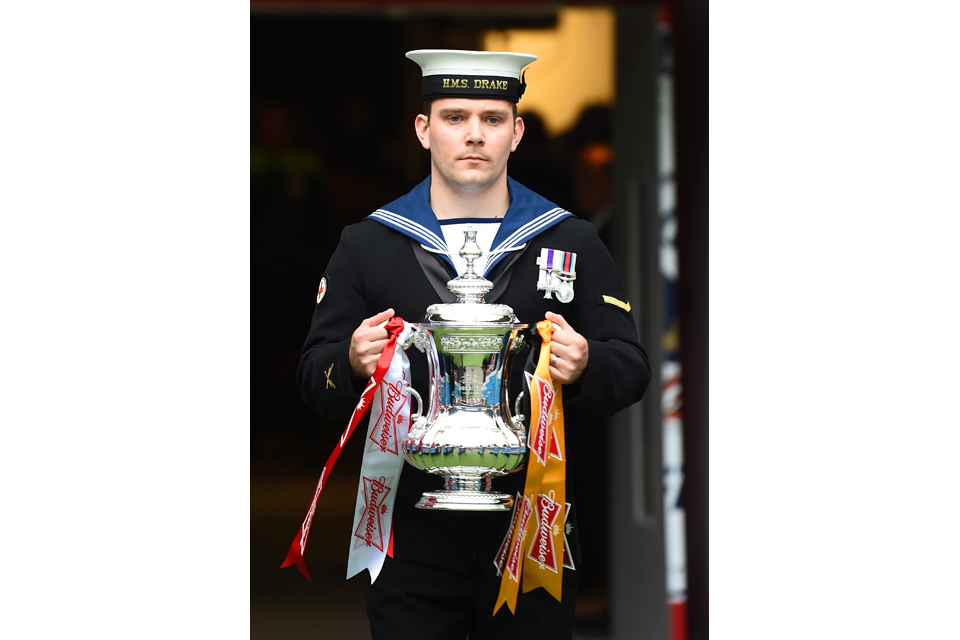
{"points": [[428, 107]]}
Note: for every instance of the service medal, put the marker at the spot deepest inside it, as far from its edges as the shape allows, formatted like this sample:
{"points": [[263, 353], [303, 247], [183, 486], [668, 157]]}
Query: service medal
{"points": [[558, 270]]}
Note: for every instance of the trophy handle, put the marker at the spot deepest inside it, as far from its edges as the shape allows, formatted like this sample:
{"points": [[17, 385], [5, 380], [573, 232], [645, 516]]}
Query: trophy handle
{"points": [[518, 417], [515, 421], [422, 339], [415, 417], [519, 339]]}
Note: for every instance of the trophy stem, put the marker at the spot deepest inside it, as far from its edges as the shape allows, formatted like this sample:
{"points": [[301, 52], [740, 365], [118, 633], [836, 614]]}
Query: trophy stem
{"points": [[466, 494], [453, 483]]}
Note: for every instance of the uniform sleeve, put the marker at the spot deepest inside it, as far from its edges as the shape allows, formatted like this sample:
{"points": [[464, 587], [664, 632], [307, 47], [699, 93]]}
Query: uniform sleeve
{"points": [[618, 371], [323, 375]]}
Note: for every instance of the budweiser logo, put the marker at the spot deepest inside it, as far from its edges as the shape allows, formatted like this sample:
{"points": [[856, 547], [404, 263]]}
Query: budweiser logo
{"points": [[538, 438], [369, 530], [393, 414], [543, 550], [501, 557], [513, 564]]}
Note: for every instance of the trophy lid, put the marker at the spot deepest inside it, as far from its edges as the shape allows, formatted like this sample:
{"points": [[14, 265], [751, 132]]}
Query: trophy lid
{"points": [[470, 309]]}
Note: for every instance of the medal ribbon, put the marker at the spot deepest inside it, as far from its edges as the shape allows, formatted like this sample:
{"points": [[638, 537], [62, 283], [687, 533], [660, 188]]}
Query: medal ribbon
{"points": [[395, 328], [536, 531]]}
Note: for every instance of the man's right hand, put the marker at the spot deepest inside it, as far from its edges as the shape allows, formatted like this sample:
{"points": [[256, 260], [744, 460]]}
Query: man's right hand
{"points": [[367, 344]]}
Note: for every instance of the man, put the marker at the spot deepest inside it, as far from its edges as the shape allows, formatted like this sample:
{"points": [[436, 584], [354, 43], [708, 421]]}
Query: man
{"points": [[441, 580]]}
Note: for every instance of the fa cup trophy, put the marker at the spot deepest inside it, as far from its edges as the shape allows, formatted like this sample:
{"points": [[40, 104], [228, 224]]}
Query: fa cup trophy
{"points": [[468, 435]]}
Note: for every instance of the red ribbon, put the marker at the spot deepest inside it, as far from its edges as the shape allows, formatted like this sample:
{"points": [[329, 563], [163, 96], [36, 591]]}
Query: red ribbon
{"points": [[299, 545]]}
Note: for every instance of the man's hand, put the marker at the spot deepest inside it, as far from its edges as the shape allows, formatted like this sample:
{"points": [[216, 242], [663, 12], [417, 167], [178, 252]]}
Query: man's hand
{"points": [[569, 352], [366, 345]]}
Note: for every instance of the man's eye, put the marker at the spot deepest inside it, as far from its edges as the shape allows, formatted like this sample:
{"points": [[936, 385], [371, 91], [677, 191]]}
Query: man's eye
{"points": [[454, 118], [494, 121]]}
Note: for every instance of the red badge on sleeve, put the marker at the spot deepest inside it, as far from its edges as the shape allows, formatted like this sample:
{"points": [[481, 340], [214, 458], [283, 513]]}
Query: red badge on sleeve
{"points": [[322, 290]]}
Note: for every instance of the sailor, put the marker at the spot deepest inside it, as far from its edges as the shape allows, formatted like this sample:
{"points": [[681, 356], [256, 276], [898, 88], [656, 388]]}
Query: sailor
{"points": [[441, 580]]}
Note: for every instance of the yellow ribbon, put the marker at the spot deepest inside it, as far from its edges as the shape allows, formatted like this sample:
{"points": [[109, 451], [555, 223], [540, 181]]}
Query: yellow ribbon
{"points": [[538, 520]]}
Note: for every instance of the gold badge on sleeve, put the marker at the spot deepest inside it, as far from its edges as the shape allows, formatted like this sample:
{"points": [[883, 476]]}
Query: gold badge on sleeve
{"points": [[616, 302]]}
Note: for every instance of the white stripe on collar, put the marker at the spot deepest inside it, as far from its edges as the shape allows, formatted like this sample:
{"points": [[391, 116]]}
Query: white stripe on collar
{"points": [[507, 250], [524, 233], [432, 250], [415, 228], [531, 228]]}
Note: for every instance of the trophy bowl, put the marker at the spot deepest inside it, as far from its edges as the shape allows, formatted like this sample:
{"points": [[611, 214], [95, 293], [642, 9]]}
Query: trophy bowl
{"points": [[468, 435]]}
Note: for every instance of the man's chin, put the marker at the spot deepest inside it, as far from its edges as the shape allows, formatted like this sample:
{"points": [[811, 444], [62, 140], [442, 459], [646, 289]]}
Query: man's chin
{"points": [[474, 180], [468, 180]]}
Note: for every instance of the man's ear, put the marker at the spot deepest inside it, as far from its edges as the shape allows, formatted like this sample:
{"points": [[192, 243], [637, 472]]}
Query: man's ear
{"points": [[517, 133], [422, 125]]}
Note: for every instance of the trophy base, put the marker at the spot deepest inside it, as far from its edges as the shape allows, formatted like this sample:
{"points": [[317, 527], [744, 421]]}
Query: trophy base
{"points": [[465, 501]]}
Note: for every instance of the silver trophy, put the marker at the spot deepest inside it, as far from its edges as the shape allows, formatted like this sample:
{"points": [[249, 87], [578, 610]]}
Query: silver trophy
{"points": [[468, 435]]}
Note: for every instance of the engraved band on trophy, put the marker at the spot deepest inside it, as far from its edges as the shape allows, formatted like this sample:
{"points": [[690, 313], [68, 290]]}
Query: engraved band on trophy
{"points": [[468, 435]]}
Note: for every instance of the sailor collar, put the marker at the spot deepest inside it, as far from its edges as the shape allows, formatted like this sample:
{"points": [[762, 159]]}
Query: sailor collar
{"points": [[528, 215]]}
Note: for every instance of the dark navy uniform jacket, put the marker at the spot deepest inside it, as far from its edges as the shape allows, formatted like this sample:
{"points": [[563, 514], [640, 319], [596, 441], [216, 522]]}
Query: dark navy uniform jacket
{"points": [[391, 259]]}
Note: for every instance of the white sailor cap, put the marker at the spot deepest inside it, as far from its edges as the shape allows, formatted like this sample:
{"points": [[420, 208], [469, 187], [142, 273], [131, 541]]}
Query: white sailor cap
{"points": [[451, 73]]}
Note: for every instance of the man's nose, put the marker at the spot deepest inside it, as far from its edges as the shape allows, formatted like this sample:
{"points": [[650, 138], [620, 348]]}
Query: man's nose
{"points": [[474, 131]]}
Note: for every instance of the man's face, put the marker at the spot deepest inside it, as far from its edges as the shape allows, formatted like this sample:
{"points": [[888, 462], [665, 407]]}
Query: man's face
{"points": [[469, 140]]}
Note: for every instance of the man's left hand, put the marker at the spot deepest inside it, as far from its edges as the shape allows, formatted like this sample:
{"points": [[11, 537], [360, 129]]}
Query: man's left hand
{"points": [[569, 352]]}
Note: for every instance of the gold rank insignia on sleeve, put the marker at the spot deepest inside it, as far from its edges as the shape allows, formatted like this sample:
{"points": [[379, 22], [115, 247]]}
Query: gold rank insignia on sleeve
{"points": [[329, 381], [615, 302]]}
